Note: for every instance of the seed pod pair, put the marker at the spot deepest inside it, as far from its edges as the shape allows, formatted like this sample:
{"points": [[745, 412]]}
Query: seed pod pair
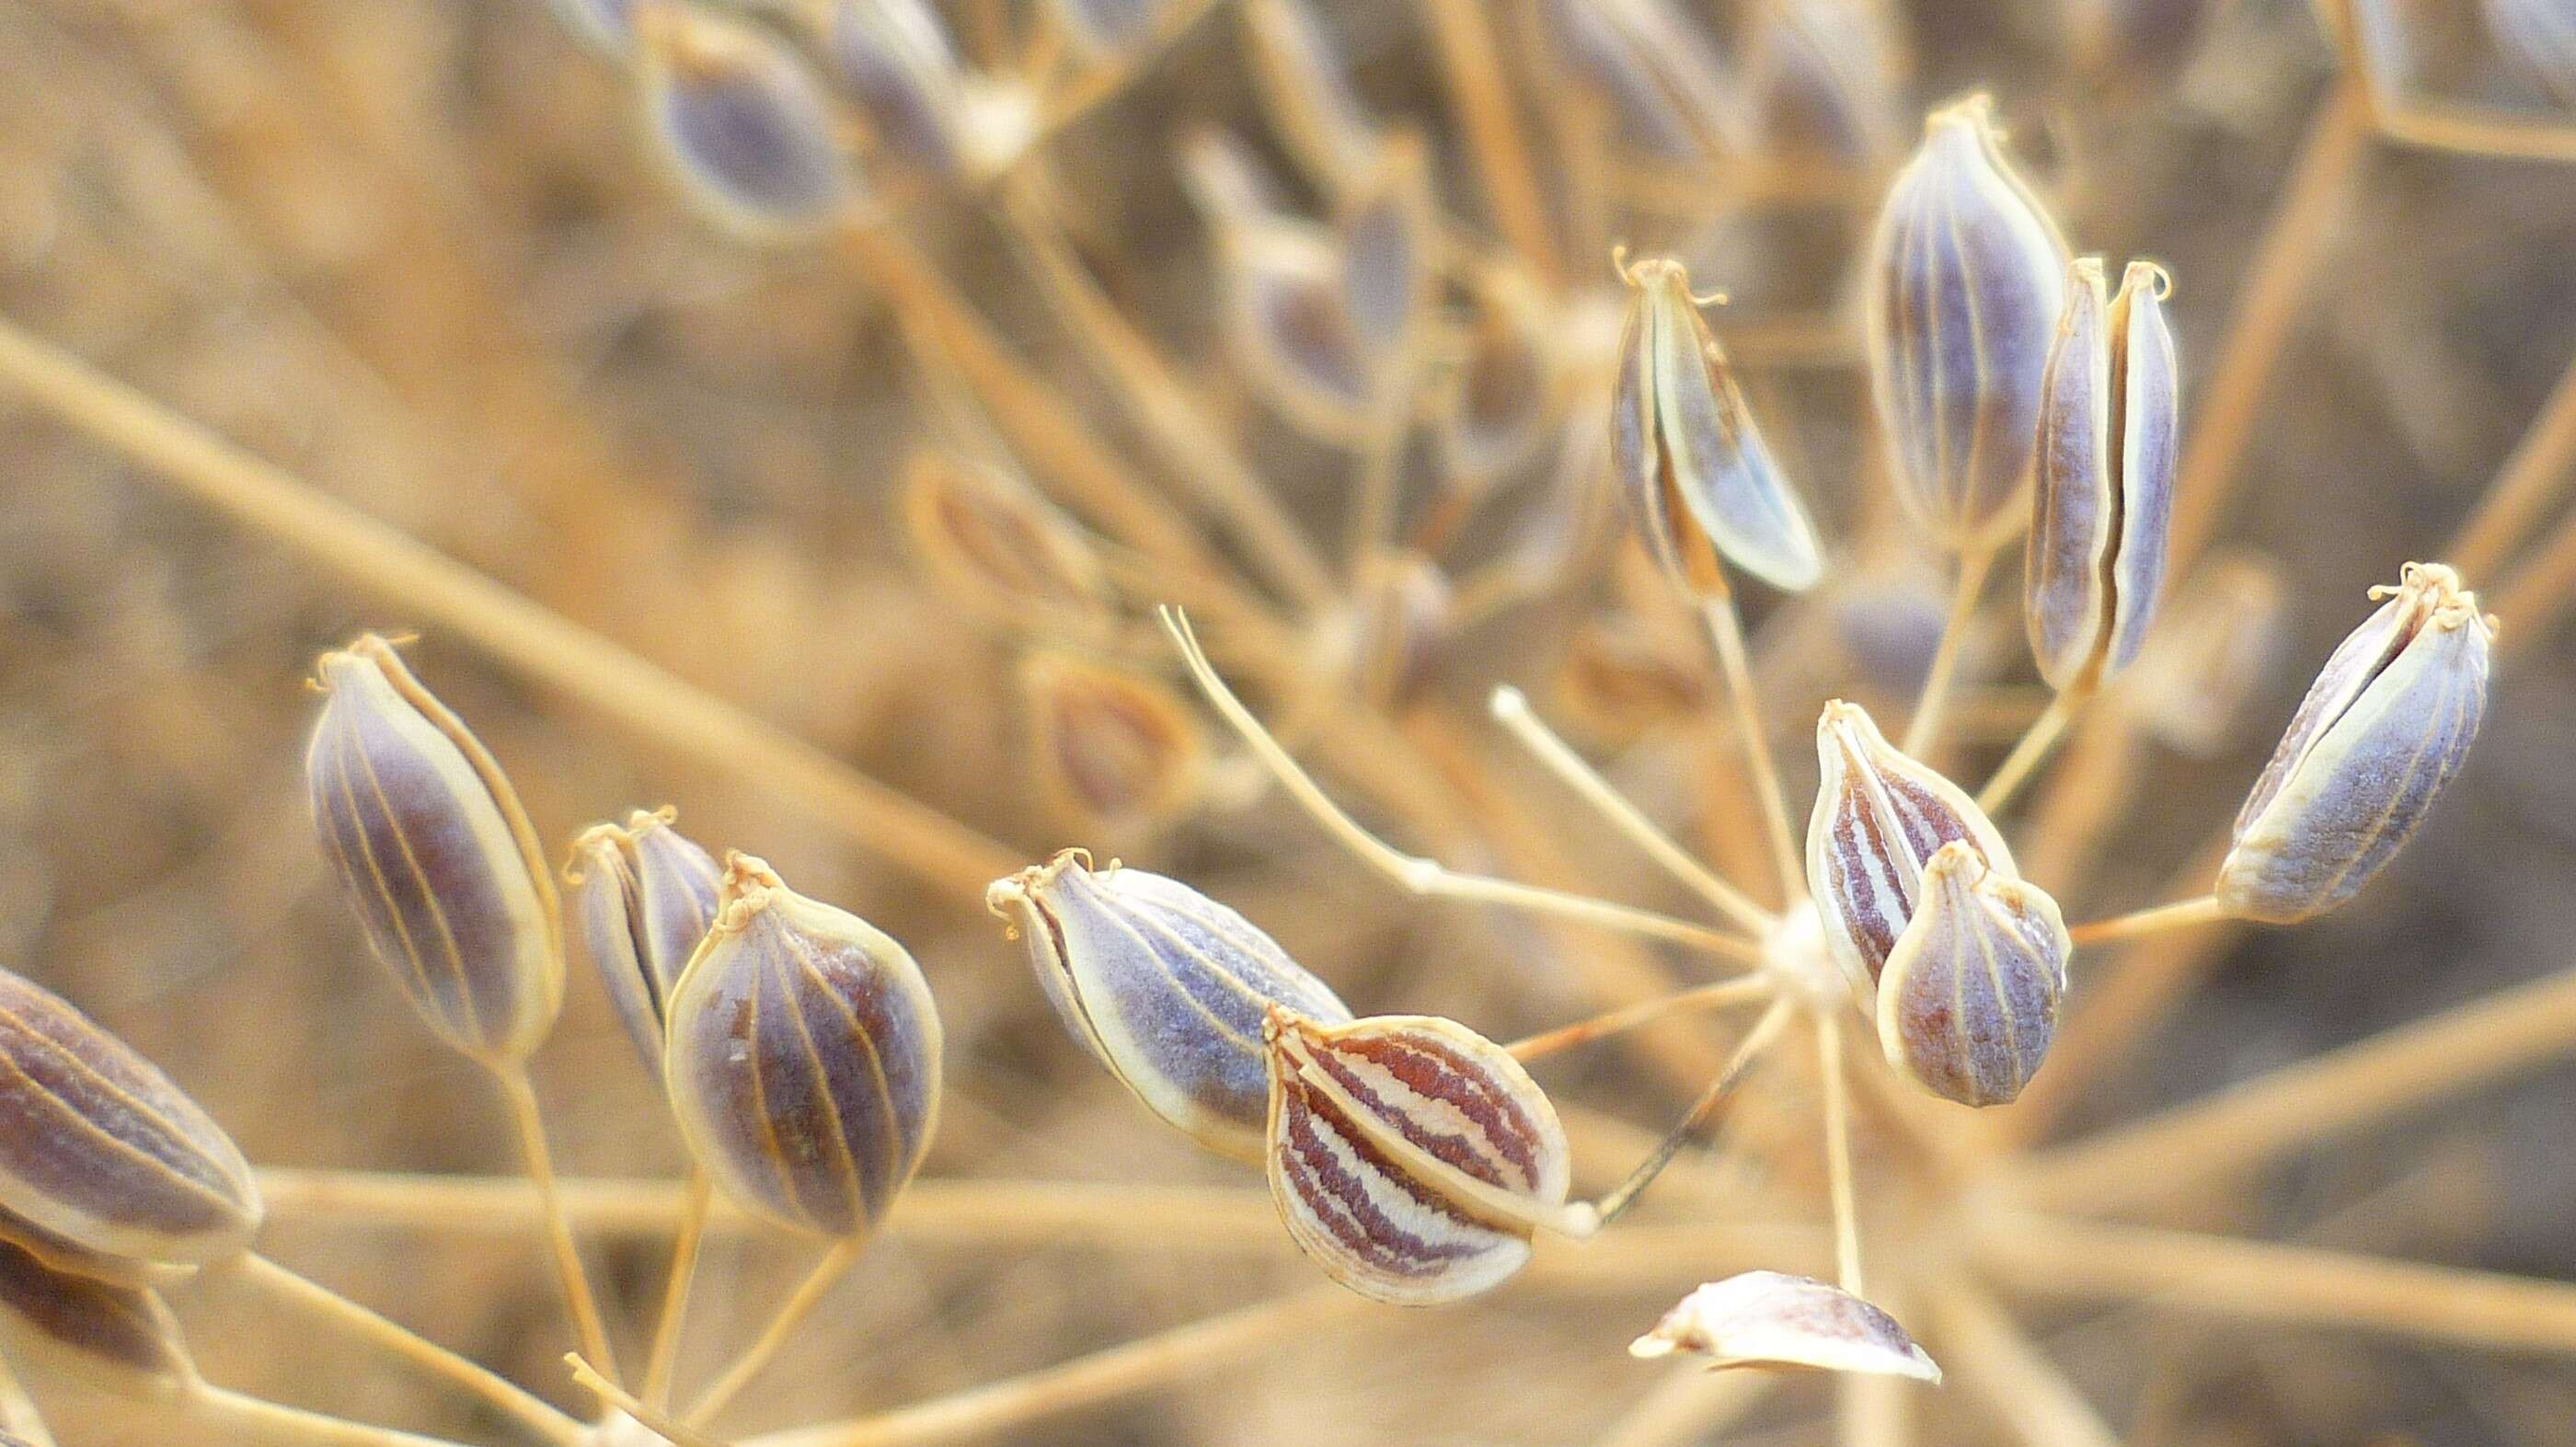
{"points": [[1770, 1319], [643, 896], [2387, 723], [2109, 420], [741, 122]]}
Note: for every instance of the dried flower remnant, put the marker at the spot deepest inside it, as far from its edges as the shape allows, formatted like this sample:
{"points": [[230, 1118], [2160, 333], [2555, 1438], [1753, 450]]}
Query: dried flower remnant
{"points": [[1966, 277], [643, 895], [2386, 724], [439, 860], [1769, 1319], [1166, 987], [1117, 753], [803, 1064], [1968, 1002], [117, 1339], [892, 60], [992, 544], [744, 126]]}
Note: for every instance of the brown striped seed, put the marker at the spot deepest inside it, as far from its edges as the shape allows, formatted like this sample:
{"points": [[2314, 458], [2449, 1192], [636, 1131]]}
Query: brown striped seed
{"points": [[1967, 279], [1656, 75], [993, 545], [1768, 1319], [642, 897], [1117, 754], [1699, 483], [1165, 986], [105, 1151], [2387, 723], [803, 1064], [2109, 420], [439, 860], [742, 125], [1968, 1002], [1410, 1157], [1878, 818], [891, 59], [116, 1339]]}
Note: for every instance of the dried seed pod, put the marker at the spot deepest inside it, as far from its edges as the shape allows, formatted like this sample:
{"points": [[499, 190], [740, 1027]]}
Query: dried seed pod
{"points": [[1289, 325], [803, 1064], [439, 859], [1385, 231], [743, 125], [1499, 391], [1968, 1002], [117, 1339], [61, 1253], [1768, 1319], [1654, 73], [892, 60], [1879, 817], [1966, 283], [2109, 419], [1307, 92], [1820, 72], [104, 1150], [2386, 724], [1410, 1157], [1167, 987], [1699, 482], [2222, 636], [1117, 753], [643, 896], [992, 544]]}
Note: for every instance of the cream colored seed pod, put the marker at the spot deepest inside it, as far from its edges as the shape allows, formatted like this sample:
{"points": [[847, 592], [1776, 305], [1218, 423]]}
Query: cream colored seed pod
{"points": [[1771, 1319]]}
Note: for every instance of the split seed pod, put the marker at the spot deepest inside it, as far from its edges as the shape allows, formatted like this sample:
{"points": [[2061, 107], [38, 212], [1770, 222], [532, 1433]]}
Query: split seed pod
{"points": [[1769, 1319], [1967, 279], [103, 1150], [117, 1339], [1410, 1157], [1699, 482], [741, 122], [1968, 1002], [1165, 986], [439, 860], [2109, 420], [642, 896], [994, 545], [1879, 818], [803, 1064], [2386, 724], [1118, 753], [894, 63]]}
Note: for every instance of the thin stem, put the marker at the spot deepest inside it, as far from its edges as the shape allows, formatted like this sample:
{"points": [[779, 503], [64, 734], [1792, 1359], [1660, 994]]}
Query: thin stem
{"points": [[241, 1417], [317, 1300], [1582, 1032], [1610, 1207], [1726, 631], [1511, 708], [782, 1327], [1472, 67], [1838, 1152], [667, 1328], [1923, 730], [2033, 746], [524, 1113], [617, 1398], [2022, 1386], [2154, 920], [2541, 466], [1374, 508]]}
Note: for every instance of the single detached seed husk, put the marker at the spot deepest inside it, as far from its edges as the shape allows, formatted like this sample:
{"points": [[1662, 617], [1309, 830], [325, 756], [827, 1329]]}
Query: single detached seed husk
{"points": [[744, 128], [1769, 1319], [1969, 1000], [642, 896], [117, 1339]]}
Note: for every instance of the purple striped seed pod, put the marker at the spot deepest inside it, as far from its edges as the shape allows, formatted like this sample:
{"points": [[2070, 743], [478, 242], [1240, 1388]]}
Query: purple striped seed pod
{"points": [[891, 59], [103, 1150], [1166, 987], [642, 896], [743, 126], [2387, 723], [1769, 1319], [1410, 1157], [439, 860], [117, 1339], [1968, 1002], [803, 1063]]}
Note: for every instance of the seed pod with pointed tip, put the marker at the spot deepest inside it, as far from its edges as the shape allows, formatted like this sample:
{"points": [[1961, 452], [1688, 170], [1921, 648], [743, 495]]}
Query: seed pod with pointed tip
{"points": [[117, 1339], [1165, 986], [1698, 480], [1967, 278], [743, 125], [1117, 753], [1410, 1157], [1879, 817], [642, 897], [892, 59], [439, 859], [2109, 417], [1968, 1002], [803, 1064], [2386, 724], [1769, 1319]]}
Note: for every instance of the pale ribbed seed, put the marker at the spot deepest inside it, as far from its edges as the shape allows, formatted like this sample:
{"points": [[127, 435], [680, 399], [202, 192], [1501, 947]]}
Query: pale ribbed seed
{"points": [[2387, 723], [642, 897], [439, 860], [1770, 1319], [892, 60], [804, 1056], [1657, 75], [743, 125], [1307, 91], [1165, 986], [1116, 753], [116, 1339], [1968, 1002], [992, 544]]}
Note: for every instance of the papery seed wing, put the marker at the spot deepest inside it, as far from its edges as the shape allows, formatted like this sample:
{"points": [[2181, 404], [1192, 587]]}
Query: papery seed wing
{"points": [[1770, 1319], [600, 896], [1716, 456], [2150, 389], [2075, 504], [1968, 1003]]}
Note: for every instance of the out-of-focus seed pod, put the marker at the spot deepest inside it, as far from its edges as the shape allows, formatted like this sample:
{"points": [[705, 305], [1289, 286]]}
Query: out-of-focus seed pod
{"points": [[2109, 422], [1768, 1319], [1117, 754], [892, 59], [105, 1151], [2125, 42], [1104, 28], [2221, 637], [1652, 71], [1819, 73], [1307, 92], [803, 1064], [1879, 818], [1499, 391], [1967, 278], [643, 896], [2386, 724], [117, 1339], [61, 1253], [1968, 1002], [742, 123], [1410, 1157], [1698, 480], [439, 859], [1165, 986], [1621, 680], [993, 545], [2539, 38], [606, 26], [1386, 231], [1401, 613]]}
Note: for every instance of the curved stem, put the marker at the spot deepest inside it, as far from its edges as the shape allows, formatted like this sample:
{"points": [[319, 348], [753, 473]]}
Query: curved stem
{"points": [[685, 1250], [2154, 920], [593, 1332], [1707, 997], [2033, 746], [1726, 632], [241, 1417], [1924, 728], [799, 1305]]}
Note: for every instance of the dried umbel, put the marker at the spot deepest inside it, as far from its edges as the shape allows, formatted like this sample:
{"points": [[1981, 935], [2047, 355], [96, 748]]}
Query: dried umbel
{"points": [[803, 1064], [1698, 481], [643, 895], [1769, 1319], [1410, 1157], [2109, 420], [990, 542], [1117, 753], [745, 128], [439, 859], [1968, 1002], [1966, 277], [116, 1339], [1167, 987], [2386, 724]]}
